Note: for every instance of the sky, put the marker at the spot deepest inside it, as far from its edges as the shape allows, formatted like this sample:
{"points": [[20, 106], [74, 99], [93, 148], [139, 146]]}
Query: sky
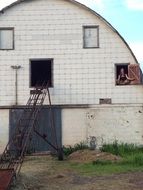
{"points": [[126, 16]]}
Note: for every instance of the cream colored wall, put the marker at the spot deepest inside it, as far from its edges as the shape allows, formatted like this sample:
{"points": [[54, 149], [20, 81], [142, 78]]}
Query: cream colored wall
{"points": [[53, 29], [74, 127], [4, 128], [106, 123]]}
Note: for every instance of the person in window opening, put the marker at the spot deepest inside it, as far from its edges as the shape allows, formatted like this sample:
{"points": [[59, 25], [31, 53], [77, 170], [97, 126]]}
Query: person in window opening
{"points": [[123, 78]]}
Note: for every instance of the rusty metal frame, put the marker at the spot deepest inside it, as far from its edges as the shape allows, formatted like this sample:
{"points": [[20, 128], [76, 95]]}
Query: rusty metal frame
{"points": [[13, 155]]}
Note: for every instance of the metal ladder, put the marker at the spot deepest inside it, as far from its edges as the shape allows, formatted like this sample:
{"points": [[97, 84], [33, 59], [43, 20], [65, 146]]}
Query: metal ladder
{"points": [[12, 158]]}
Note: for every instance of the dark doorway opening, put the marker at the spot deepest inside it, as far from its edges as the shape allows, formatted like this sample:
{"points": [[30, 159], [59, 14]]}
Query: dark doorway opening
{"points": [[41, 72]]}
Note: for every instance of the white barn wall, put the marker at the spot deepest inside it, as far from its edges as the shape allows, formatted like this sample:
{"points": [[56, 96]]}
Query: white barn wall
{"points": [[74, 128], [4, 128], [53, 29], [106, 123]]}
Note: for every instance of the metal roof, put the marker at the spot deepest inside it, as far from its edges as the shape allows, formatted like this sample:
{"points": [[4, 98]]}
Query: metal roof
{"points": [[84, 7]]}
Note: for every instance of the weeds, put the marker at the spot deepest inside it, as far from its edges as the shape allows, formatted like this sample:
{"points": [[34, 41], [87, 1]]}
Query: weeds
{"points": [[122, 149], [131, 153], [70, 149], [132, 159]]}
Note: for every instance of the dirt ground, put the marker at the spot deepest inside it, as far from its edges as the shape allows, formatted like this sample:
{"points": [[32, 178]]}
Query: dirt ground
{"points": [[86, 156], [46, 173]]}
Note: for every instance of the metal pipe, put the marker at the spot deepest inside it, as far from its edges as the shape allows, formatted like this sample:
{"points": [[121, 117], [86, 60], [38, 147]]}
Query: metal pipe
{"points": [[16, 87], [16, 68]]}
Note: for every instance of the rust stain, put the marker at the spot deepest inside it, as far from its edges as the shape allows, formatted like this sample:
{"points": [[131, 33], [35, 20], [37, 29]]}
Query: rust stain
{"points": [[6, 176]]}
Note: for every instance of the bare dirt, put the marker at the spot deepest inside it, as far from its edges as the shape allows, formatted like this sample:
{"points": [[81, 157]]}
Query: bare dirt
{"points": [[46, 173], [86, 156]]}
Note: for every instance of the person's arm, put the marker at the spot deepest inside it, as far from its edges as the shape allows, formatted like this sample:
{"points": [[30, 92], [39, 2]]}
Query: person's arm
{"points": [[131, 79], [118, 78]]}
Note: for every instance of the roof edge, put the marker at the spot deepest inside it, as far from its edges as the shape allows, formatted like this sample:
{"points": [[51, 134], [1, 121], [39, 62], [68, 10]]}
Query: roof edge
{"points": [[11, 5], [89, 9], [107, 23]]}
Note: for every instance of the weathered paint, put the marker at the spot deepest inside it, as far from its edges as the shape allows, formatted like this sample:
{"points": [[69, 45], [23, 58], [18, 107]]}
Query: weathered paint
{"points": [[74, 125], [4, 128], [54, 29], [107, 124], [44, 128]]}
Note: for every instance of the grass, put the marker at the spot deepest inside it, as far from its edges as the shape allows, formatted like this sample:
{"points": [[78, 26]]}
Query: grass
{"points": [[132, 160], [122, 149], [105, 169]]}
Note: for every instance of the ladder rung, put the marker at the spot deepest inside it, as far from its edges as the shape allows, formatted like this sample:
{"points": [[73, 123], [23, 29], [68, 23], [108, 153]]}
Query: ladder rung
{"points": [[37, 91], [24, 127]]}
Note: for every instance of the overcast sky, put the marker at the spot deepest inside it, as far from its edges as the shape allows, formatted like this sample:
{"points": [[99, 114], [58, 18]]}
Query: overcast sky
{"points": [[125, 15]]}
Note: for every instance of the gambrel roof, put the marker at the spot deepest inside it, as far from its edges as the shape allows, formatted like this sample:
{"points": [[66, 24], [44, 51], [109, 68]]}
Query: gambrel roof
{"points": [[84, 7]]}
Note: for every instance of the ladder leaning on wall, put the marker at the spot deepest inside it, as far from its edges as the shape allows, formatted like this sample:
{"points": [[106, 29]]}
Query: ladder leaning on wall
{"points": [[12, 158]]}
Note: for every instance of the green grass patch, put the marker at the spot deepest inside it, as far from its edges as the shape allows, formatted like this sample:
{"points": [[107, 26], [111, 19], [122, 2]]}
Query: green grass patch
{"points": [[132, 160], [104, 169], [122, 149]]}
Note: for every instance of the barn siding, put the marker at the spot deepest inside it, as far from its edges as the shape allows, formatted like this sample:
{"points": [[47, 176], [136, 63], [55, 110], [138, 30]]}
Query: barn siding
{"points": [[54, 29], [4, 128]]}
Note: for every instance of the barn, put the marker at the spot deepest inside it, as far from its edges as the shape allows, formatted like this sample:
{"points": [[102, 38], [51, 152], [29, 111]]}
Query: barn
{"points": [[95, 79]]}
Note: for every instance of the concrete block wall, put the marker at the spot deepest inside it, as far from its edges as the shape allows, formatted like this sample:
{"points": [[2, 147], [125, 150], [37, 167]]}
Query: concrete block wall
{"points": [[106, 123], [53, 29]]}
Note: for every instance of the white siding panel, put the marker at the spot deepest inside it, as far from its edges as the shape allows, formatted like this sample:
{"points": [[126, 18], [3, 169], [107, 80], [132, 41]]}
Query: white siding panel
{"points": [[54, 29], [4, 129]]}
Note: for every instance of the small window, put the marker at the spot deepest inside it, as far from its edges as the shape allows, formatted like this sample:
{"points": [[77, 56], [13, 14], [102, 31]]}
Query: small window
{"points": [[6, 38], [128, 74], [91, 36], [41, 72]]}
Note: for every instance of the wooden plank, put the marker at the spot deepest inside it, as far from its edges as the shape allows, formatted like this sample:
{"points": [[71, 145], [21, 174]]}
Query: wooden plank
{"points": [[134, 73]]}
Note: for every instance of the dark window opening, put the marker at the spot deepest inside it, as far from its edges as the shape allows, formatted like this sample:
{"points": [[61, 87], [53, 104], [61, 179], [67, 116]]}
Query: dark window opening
{"points": [[41, 72], [128, 74], [118, 69]]}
